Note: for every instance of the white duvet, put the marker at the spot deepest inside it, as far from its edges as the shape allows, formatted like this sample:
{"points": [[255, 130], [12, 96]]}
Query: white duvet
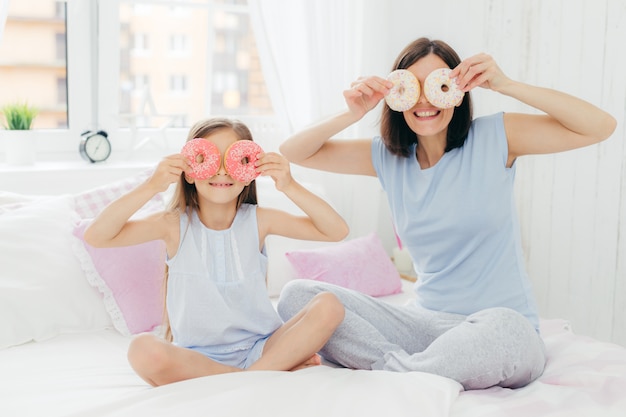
{"points": [[319, 391], [87, 375]]}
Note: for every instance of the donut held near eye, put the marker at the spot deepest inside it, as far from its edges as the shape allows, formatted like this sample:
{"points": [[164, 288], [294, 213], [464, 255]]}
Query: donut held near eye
{"points": [[405, 91], [203, 157], [442, 91], [240, 159]]}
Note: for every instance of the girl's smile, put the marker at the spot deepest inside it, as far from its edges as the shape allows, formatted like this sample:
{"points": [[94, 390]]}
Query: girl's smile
{"points": [[220, 184]]}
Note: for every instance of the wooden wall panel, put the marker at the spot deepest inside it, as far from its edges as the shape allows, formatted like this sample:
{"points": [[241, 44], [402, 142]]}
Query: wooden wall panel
{"points": [[570, 203]]}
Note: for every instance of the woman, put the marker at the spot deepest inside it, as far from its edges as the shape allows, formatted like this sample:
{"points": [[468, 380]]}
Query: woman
{"points": [[449, 183]]}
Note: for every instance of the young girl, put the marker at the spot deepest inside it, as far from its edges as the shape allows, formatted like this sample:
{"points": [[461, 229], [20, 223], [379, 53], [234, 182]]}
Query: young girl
{"points": [[220, 315], [449, 182]]}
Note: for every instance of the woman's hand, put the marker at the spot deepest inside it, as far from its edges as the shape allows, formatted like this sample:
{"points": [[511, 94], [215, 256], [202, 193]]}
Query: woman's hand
{"points": [[480, 70], [365, 93], [168, 172], [276, 166]]}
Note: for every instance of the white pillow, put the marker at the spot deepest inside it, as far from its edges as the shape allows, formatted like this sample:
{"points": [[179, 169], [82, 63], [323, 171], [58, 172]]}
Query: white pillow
{"points": [[43, 290], [279, 270], [11, 201]]}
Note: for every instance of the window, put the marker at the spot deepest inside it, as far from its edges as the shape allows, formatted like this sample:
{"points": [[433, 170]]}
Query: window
{"points": [[33, 60], [196, 58], [178, 84], [62, 98], [59, 9], [114, 64], [179, 44], [61, 49], [38, 57], [142, 81], [140, 43]]}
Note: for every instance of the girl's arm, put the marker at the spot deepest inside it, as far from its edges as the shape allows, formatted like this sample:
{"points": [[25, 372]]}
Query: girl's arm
{"points": [[321, 222], [313, 148], [112, 226], [568, 122]]}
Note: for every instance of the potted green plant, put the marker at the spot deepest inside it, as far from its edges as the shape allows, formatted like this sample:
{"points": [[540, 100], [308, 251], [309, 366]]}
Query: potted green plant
{"points": [[18, 117]]}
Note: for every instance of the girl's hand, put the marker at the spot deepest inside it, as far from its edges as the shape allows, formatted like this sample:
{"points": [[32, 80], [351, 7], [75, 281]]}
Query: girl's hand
{"points": [[168, 172], [365, 93], [277, 167], [479, 71]]}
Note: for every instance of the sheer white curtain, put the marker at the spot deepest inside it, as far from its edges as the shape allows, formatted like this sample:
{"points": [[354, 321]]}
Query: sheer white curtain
{"points": [[310, 52], [4, 10]]}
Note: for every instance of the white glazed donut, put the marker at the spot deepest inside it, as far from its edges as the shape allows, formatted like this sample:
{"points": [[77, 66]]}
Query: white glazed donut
{"points": [[442, 91], [405, 91]]}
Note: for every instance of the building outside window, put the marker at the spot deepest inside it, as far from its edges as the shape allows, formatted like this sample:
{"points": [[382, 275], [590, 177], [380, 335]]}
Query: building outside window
{"points": [[195, 58], [33, 60]]}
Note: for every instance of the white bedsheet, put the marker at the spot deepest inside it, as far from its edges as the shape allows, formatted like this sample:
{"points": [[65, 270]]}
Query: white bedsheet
{"points": [[583, 378], [87, 374], [320, 391]]}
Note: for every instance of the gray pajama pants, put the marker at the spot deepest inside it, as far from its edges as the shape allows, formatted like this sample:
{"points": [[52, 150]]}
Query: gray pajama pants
{"points": [[496, 346]]}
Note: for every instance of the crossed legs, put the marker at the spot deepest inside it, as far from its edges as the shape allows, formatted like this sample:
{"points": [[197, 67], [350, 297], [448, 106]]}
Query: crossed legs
{"points": [[496, 346], [292, 346]]}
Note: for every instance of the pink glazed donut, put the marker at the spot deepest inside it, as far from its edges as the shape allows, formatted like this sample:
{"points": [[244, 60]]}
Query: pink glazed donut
{"points": [[203, 157], [405, 91], [240, 158], [442, 91]]}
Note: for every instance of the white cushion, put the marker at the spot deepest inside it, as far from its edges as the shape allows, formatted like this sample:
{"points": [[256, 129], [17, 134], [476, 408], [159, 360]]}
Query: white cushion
{"points": [[43, 290]]}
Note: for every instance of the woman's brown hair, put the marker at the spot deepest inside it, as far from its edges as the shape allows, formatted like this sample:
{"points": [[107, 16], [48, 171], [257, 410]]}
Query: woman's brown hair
{"points": [[396, 134]]}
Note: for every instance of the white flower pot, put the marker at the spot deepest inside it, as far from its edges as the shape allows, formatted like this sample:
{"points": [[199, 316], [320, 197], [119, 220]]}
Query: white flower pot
{"points": [[20, 146]]}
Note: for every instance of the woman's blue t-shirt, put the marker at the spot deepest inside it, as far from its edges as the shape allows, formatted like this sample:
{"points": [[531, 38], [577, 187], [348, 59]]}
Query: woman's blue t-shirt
{"points": [[459, 222]]}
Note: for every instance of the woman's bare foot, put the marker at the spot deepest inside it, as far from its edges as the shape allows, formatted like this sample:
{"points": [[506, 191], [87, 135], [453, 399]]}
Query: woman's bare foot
{"points": [[314, 360]]}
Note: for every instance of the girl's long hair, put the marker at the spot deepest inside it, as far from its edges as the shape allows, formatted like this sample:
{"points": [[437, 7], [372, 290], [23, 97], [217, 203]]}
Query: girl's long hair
{"points": [[185, 198]]}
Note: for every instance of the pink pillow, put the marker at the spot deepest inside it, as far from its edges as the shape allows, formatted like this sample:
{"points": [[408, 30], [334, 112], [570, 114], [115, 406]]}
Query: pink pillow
{"points": [[130, 279], [361, 264], [88, 204]]}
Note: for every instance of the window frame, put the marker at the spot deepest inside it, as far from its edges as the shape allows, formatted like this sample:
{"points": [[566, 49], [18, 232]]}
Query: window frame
{"points": [[108, 81], [62, 143], [93, 80]]}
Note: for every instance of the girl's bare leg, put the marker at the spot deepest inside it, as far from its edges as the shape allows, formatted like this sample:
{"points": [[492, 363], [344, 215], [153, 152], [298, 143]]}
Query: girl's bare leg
{"points": [[295, 344], [314, 360], [159, 362]]}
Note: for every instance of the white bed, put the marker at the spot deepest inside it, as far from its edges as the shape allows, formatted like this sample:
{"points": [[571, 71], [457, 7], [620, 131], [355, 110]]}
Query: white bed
{"points": [[63, 351], [86, 374]]}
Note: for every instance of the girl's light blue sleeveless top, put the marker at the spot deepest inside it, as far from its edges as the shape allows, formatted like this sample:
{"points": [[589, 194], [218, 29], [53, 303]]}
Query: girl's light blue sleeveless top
{"points": [[458, 220], [216, 292]]}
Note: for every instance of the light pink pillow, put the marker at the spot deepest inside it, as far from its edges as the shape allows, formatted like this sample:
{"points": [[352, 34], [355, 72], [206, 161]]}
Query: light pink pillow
{"points": [[361, 264], [130, 279]]}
